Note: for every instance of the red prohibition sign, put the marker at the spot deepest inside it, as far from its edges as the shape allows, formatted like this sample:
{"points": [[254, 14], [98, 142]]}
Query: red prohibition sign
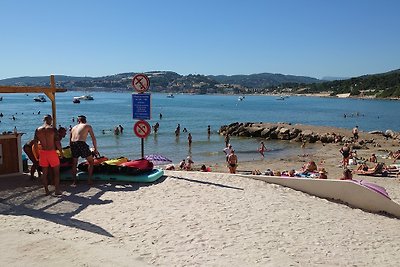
{"points": [[141, 83], [142, 129]]}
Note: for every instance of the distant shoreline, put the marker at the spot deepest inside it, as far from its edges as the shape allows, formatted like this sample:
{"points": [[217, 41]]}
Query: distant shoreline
{"points": [[322, 94]]}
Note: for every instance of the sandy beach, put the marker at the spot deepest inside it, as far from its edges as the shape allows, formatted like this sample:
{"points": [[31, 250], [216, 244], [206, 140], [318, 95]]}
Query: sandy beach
{"points": [[198, 219]]}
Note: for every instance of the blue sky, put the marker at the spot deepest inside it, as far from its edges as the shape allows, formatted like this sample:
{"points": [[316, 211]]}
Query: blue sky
{"points": [[317, 38]]}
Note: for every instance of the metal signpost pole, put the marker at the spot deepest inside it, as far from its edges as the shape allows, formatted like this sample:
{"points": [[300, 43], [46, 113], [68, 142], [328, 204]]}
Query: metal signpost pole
{"points": [[142, 148], [141, 108]]}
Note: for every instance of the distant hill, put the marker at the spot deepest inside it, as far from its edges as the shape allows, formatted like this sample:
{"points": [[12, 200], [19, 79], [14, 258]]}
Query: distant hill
{"points": [[263, 80], [330, 78], [378, 85], [168, 81], [383, 85]]}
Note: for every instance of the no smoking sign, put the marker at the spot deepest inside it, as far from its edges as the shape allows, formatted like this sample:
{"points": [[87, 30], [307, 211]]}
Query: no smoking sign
{"points": [[142, 129]]}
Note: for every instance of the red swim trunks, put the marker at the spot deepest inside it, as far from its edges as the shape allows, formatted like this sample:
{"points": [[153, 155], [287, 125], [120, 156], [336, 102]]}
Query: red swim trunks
{"points": [[48, 158]]}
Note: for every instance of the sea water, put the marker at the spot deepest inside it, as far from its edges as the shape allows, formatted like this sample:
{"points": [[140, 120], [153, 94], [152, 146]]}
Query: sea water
{"points": [[195, 113]]}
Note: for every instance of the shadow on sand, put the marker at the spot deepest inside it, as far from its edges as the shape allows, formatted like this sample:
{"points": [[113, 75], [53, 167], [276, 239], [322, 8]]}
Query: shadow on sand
{"points": [[207, 183], [20, 196]]}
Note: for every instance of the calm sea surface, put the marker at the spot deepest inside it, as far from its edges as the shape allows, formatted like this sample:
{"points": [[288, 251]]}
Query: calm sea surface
{"points": [[195, 112]]}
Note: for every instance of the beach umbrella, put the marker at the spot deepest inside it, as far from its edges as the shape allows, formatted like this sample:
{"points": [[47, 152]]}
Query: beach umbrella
{"points": [[158, 159]]}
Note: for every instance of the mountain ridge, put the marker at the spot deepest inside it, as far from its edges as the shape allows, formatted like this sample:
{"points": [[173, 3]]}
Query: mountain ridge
{"points": [[371, 85]]}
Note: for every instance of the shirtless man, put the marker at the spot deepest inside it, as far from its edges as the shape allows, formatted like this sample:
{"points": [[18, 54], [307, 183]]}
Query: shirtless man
{"points": [[49, 139], [31, 149], [232, 161], [79, 148]]}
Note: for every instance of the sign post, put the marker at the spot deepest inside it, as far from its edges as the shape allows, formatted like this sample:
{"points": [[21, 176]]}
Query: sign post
{"points": [[141, 108], [141, 83], [142, 130]]}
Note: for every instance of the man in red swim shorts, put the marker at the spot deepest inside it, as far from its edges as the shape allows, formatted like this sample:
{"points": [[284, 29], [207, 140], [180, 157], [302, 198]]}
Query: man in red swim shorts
{"points": [[49, 139]]}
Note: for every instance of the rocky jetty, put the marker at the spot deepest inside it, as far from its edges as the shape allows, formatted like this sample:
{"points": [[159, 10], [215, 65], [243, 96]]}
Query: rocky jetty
{"points": [[299, 133]]}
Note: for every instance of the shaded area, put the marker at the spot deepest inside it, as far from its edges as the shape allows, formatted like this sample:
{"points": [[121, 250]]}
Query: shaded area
{"points": [[207, 183], [20, 196]]}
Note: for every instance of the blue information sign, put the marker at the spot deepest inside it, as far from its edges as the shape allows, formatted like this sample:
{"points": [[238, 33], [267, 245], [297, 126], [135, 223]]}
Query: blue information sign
{"points": [[141, 106]]}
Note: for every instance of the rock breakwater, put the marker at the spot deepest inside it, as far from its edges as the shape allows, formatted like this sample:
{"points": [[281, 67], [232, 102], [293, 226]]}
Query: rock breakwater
{"points": [[299, 133]]}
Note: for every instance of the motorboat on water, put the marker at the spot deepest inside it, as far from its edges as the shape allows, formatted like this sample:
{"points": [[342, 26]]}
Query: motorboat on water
{"points": [[282, 97], [170, 96], [40, 98], [76, 101], [84, 97], [241, 98]]}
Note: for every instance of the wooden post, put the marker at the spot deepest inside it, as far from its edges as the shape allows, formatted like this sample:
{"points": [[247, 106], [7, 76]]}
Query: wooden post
{"points": [[53, 100]]}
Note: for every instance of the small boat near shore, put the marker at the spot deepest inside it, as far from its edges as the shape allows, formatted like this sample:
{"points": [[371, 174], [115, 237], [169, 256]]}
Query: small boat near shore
{"points": [[170, 96], [40, 98], [84, 97], [76, 101], [241, 98]]}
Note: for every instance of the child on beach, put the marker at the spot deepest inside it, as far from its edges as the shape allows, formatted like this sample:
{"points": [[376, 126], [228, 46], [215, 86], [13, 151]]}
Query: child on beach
{"points": [[182, 164], [262, 149]]}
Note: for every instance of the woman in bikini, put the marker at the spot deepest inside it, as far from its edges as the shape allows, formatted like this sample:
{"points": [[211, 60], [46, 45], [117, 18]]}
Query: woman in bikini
{"points": [[232, 162]]}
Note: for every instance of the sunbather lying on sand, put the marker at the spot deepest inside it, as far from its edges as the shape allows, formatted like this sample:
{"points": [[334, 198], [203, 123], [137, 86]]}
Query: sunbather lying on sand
{"points": [[378, 169]]}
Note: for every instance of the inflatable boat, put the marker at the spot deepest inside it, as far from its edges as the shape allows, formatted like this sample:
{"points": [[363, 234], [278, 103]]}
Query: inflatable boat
{"points": [[147, 177], [118, 169]]}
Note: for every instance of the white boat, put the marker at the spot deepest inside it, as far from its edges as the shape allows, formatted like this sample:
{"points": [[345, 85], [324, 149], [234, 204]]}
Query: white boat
{"points": [[84, 97], [352, 192], [241, 98], [281, 98], [170, 96], [40, 98]]}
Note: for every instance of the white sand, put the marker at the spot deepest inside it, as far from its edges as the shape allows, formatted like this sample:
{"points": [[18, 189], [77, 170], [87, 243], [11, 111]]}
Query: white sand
{"points": [[189, 219]]}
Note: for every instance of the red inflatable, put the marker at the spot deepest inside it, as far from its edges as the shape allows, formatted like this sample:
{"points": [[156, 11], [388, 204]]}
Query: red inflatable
{"points": [[136, 166]]}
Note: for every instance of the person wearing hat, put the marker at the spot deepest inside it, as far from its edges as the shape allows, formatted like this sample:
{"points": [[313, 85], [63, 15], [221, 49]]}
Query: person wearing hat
{"points": [[80, 148], [49, 140]]}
